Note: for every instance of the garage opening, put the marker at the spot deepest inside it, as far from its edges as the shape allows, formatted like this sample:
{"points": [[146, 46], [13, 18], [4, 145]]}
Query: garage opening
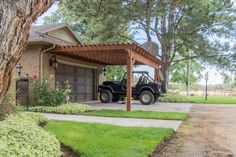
{"points": [[80, 79]]}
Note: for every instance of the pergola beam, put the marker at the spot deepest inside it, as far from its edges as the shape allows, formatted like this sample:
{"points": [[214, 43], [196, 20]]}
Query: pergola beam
{"points": [[145, 60]]}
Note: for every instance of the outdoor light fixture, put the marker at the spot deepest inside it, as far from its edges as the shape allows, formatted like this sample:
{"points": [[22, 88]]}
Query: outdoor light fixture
{"points": [[53, 62], [104, 70], [18, 69]]}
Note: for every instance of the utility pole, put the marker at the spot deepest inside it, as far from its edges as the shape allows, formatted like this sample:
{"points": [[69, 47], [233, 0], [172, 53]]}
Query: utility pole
{"points": [[188, 74], [206, 78]]}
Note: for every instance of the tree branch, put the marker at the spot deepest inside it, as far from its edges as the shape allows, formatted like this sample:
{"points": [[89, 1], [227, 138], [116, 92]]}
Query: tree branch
{"points": [[197, 56]]}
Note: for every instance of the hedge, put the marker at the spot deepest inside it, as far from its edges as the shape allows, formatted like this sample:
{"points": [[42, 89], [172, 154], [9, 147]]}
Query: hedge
{"points": [[20, 136], [174, 97], [71, 108]]}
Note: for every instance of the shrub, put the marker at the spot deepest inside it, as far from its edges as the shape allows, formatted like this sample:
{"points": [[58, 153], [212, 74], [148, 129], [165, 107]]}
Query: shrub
{"points": [[43, 95], [8, 105], [174, 97], [71, 108], [21, 136], [60, 95], [38, 118]]}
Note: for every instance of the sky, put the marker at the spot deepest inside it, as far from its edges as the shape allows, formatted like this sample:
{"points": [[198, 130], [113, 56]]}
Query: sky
{"points": [[214, 76]]}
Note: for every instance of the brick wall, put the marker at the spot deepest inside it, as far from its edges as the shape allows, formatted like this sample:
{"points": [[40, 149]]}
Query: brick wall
{"points": [[30, 62]]}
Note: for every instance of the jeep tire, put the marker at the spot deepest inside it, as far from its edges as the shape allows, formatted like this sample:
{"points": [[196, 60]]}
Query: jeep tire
{"points": [[146, 97], [105, 96]]}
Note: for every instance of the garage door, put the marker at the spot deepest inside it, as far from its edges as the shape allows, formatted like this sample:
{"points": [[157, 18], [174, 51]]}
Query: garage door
{"points": [[80, 79]]}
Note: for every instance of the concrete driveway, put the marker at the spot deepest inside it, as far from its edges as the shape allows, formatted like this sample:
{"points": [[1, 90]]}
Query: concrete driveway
{"points": [[136, 105]]}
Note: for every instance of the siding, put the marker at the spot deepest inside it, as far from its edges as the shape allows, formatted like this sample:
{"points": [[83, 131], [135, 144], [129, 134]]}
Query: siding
{"points": [[65, 35]]}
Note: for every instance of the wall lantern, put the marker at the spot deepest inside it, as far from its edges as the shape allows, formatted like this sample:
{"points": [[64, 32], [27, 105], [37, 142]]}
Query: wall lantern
{"points": [[104, 70], [53, 62], [18, 69]]}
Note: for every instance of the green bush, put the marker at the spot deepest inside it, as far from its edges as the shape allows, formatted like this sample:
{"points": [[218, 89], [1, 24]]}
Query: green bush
{"points": [[174, 97], [43, 95], [20, 136], [71, 108], [8, 105], [38, 118], [60, 95]]}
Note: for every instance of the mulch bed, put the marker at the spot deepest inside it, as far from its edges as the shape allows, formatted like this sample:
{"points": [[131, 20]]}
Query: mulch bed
{"points": [[163, 143], [68, 152]]}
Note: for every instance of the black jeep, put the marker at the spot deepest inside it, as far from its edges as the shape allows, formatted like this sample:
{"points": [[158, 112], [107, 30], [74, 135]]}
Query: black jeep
{"points": [[143, 88]]}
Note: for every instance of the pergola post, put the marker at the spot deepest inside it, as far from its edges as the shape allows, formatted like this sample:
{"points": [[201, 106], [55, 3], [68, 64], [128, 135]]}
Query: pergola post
{"points": [[129, 79], [157, 74]]}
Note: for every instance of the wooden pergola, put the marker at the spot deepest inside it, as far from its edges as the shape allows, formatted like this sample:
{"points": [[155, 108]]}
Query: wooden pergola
{"points": [[113, 54]]}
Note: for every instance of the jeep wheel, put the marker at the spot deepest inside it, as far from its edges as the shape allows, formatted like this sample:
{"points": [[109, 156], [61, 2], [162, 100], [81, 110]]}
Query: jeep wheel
{"points": [[146, 98], [105, 96]]}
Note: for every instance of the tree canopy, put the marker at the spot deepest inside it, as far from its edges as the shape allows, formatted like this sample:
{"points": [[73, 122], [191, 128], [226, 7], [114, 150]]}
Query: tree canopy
{"points": [[179, 72], [204, 27], [90, 29]]}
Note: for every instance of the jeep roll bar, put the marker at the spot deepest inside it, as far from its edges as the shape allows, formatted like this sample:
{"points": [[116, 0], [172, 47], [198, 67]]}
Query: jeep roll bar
{"points": [[144, 74]]}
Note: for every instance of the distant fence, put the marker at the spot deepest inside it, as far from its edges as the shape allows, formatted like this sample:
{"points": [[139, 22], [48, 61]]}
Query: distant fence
{"points": [[199, 90], [215, 93]]}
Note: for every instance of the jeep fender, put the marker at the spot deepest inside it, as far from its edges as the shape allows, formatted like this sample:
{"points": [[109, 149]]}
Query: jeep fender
{"points": [[146, 88], [107, 88]]}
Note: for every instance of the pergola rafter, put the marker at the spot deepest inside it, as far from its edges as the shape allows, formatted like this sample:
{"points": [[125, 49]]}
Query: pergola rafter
{"points": [[113, 54]]}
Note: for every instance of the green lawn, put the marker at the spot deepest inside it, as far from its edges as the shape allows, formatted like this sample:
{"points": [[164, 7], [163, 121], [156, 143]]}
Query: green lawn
{"points": [[138, 114], [102, 140], [214, 99]]}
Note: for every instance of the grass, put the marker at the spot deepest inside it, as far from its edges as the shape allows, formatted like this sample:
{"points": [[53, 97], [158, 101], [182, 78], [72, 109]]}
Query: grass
{"points": [[214, 99], [102, 140], [138, 114]]}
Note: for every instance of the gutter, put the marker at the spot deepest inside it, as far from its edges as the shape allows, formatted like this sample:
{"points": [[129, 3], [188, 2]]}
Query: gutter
{"points": [[41, 60]]}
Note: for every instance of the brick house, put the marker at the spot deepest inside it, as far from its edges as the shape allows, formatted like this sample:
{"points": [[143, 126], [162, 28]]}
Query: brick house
{"points": [[83, 76]]}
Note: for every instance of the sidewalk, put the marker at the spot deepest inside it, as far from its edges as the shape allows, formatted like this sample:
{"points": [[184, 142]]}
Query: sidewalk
{"points": [[136, 105], [117, 121]]}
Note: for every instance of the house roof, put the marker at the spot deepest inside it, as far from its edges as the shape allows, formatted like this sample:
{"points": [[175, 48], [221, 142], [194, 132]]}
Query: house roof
{"points": [[39, 33], [109, 54]]}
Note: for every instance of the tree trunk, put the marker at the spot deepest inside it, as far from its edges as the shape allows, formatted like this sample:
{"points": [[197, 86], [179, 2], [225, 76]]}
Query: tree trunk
{"points": [[165, 68], [16, 18], [165, 78]]}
